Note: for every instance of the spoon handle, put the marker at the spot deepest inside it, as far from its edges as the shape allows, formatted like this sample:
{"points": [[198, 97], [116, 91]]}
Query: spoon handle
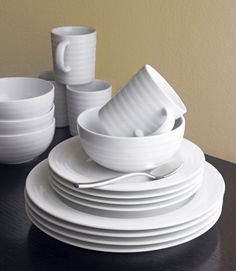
{"points": [[109, 181]]}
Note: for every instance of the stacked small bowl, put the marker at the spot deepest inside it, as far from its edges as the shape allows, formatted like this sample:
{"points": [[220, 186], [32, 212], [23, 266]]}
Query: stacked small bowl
{"points": [[74, 58], [27, 121]]}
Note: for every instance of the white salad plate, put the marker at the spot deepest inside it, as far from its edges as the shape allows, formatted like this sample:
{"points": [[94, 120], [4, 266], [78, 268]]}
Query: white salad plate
{"points": [[69, 161], [112, 233], [113, 210], [205, 199], [123, 202], [132, 195], [69, 238]]}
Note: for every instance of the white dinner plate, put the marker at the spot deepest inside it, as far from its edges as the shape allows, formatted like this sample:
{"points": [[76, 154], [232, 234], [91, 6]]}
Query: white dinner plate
{"points": [[134, 198], [141, 241], [114, 233], [120, 248], [113, 210], [207, 197], [69, 161]]}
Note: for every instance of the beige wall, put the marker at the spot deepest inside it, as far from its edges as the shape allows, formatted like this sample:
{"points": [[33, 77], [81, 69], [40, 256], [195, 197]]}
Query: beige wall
{"points": [[192, 43]]}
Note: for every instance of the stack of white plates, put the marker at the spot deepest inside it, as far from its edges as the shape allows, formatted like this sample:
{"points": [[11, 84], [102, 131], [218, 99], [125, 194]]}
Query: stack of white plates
{"points": [[128, 216], [136, 196]]}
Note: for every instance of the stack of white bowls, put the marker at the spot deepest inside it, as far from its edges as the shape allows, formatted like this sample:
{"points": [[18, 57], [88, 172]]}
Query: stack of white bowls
{"points": [[72, 195], [27, 122], [74, 58]]}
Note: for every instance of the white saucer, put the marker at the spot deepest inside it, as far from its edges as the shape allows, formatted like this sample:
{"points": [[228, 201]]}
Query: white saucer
{"points": [[120, 248], [112, 233], [70, 162], [207, 197], [123, 202]]}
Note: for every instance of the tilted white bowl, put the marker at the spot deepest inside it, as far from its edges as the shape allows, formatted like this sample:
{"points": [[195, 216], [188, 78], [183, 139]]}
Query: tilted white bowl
{"points": [[127, 154], [24, 97], [21, 148], [14, 127]]}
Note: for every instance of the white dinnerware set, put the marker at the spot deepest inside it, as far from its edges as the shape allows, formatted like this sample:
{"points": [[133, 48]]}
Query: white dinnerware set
{"points": [[73, 75], [27, 121], [130, 182]]}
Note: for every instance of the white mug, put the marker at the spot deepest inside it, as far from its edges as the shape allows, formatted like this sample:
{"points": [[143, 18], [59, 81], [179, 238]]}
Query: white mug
{"points": [[59, 99], [142, 106], [83, 97], [74, 54]]}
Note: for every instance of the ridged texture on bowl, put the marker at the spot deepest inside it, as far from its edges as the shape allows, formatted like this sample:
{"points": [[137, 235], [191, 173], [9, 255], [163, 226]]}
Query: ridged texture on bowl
{"points": [[23, 148], [78, 102], [128, 154], [28, 107], [138, 105], [9, 127], [80, 56]]}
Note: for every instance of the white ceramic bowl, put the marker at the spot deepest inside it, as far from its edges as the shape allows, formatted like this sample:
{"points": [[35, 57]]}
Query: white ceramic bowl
{"points": [[21, 148], [14, 127], [24, 97], [127, 154]]}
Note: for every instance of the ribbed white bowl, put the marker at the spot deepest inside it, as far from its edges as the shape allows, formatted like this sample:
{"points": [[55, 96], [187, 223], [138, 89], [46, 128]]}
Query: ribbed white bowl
{"points": [[24, 97], [15, 127], [79, 55], [83, 97], [16, 149], [59, 99], [127, 154], [142, 104]]}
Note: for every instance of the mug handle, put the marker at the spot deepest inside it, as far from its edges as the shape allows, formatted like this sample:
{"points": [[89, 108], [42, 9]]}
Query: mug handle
{"points": [[60, 56], [168, 124]]}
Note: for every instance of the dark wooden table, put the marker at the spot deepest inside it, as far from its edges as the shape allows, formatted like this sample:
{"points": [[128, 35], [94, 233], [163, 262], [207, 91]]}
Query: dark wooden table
{"points": [[24, 247]]}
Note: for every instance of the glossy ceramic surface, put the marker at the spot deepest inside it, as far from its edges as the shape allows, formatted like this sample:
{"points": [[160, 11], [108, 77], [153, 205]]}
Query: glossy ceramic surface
{"points": [[59, 99], [206, 199], [113, 233], [127, 154], [171, 193], [15, 127], [74, 54], [25, 97], [143, 103], [74, 240], [20, 148], [124, 211], [83, 97], [116, 241], [71, 163]]}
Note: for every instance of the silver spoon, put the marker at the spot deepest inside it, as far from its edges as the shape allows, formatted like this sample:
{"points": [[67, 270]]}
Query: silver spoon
{"points": [[160, 172]]}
